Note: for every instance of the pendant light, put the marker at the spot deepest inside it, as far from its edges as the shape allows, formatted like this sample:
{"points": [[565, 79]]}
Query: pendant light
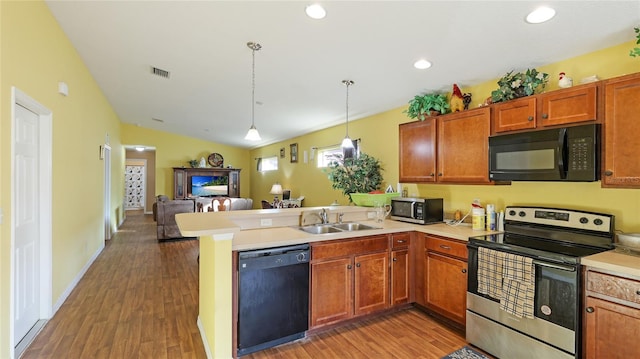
{"points": [[347, 142], [253, 134]]}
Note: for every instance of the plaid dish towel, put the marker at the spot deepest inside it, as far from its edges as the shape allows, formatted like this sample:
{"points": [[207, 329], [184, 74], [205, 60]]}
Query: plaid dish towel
{"points": [[490, 272], [518, 287]]}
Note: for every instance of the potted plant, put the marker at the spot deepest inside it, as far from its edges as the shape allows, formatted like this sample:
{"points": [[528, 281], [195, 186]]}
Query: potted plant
{"points": [[193, 163], [423, 106], [355, 175], [636, 50], [520, 84]]}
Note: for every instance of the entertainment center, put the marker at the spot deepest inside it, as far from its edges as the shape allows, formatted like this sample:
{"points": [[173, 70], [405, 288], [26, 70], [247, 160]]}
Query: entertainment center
{"points": [[205, 182]]}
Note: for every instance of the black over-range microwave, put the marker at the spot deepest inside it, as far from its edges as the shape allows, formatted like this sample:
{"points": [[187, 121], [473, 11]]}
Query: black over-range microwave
{"points": [[559, 154]]}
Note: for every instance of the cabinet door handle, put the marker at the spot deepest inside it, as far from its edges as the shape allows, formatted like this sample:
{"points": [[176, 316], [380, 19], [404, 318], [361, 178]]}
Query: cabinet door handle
{"points": [[349, 266], [589, 309], [530, 118], [432, 174], [395, 259], [445, 247], [464, 270], [358, 265], [638, 292], [400, 241], [608, 173], [440, 174], [545, 116]]}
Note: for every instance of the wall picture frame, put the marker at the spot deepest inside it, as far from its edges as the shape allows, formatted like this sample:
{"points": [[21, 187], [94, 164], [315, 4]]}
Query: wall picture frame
{"points": [[293, 148]]}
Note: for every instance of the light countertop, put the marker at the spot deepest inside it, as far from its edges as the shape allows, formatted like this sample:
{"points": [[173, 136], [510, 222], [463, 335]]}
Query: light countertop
{"points": [[282, 236], [615, 262], [249, 232]]}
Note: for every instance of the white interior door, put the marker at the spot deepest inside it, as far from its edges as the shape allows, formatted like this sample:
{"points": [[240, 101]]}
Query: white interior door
{"points": [[27, 222], [107, 190]]}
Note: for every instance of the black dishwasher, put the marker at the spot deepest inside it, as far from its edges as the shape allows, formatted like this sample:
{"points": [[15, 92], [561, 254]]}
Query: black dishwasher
{"points": [[273, 297]]}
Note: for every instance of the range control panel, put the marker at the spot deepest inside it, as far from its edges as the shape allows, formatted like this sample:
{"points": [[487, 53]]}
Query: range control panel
{"points": [[600, 222]]}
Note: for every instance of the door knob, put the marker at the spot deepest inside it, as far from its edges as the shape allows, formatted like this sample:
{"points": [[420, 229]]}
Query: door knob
{"points": [[608, 173], [358, 265], [545, 116], [395, 259], [589, 309], [349, 266], [464, 270], [530, 118]]}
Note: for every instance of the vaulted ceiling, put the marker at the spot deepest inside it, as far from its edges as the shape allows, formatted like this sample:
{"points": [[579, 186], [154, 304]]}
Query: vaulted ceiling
{"points": [[300, 68]]}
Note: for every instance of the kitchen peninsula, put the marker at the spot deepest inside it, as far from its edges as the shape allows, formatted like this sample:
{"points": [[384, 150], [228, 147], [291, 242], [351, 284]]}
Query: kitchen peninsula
{"points": [[222, 233]]}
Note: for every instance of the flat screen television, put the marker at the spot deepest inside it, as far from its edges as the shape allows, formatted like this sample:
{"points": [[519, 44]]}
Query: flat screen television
{"points": [[209, 186]]}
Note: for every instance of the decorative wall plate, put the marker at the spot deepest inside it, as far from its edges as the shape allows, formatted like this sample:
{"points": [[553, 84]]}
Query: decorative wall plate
{"points": [[216, 160]]}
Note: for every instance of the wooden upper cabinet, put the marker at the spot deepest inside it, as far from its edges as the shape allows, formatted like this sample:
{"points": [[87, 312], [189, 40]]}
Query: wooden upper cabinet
{"points": [[562, 107], [514, 115], [621, 167], [451, 148], [463, 147], [418, 151], [569, 106]]}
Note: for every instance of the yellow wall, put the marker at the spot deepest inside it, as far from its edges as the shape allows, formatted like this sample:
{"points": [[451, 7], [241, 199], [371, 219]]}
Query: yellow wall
{"points": [[35, 55], [379, 136], [175, 151]]}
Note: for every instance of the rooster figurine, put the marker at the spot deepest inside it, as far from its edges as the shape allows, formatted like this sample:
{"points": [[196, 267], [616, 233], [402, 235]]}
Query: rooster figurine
{"points": [[457, 100], [565, 81]]}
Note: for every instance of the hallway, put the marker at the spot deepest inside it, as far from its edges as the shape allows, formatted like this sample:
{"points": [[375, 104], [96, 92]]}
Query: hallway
{"points": [[139, 299]]}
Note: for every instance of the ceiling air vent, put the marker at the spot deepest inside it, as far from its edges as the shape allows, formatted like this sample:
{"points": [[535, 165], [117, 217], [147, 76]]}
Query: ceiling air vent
{"points": [[160, 72]]}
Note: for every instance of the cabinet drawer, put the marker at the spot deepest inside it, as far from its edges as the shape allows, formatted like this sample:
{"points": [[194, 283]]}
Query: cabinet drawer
{"points": [[446, 246], [341, 248], [400, 240], [616, 287]]}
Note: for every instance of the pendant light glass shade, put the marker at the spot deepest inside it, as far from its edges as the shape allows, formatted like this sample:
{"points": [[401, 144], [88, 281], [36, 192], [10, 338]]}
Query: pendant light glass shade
{"points": [[253, 134], [347, 142]]}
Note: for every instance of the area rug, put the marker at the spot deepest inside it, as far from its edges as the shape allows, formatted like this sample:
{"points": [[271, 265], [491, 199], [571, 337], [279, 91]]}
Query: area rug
{"points": [[465, 353]]}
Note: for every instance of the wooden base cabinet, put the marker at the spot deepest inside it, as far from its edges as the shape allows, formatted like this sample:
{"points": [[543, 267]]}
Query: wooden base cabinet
{"points": [[446, 278], [400, 269], [611, 316], [349, 278]]}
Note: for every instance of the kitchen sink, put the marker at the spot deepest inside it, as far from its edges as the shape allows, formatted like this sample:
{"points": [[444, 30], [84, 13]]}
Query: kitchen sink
{"points": [[353, 226], [319, 229], [335, 228]]}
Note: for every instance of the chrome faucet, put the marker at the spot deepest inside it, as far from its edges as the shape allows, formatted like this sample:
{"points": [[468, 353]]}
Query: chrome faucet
{"points": [[340, 217], [324, 216]]}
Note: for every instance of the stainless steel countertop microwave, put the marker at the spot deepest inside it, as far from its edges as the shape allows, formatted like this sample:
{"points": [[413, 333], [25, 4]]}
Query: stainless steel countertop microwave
{"points": [[417, 210]]}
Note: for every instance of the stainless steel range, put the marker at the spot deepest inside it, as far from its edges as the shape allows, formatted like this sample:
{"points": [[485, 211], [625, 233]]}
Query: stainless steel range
{"points": [[548, 243]]}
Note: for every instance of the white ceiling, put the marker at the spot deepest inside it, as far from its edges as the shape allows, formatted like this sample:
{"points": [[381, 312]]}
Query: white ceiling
{"points": [[303, 61]]}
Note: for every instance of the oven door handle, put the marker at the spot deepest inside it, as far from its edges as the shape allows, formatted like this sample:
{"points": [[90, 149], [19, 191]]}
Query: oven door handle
{"points": [[555, 266]]}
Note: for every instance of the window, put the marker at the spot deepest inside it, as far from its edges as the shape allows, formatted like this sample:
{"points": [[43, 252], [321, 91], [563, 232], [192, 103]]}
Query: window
{"points": [[327, 155], [268, 164]]}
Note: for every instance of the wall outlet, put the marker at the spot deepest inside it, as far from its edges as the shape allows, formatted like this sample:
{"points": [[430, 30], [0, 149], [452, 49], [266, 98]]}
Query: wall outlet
{"points": [[266, 222]]}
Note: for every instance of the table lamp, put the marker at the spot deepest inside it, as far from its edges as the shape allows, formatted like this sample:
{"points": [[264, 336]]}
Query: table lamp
{"points": [[276, 190]]}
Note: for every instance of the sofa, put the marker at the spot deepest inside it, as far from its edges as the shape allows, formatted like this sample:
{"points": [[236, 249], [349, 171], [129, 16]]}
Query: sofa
{"points": [[165, 210]]}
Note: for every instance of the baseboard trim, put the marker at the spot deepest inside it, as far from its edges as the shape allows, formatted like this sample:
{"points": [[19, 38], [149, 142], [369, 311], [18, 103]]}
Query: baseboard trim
{"points": [[63, 297], [207, 350]]}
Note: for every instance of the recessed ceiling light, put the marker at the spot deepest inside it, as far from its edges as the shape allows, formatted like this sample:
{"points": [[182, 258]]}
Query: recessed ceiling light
{"points": [[540, 15], [315, 11], [422, 64]]}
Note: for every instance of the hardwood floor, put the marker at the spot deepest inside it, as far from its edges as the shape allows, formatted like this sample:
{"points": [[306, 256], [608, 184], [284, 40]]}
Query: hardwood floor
{"points": [[140, 300]]}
